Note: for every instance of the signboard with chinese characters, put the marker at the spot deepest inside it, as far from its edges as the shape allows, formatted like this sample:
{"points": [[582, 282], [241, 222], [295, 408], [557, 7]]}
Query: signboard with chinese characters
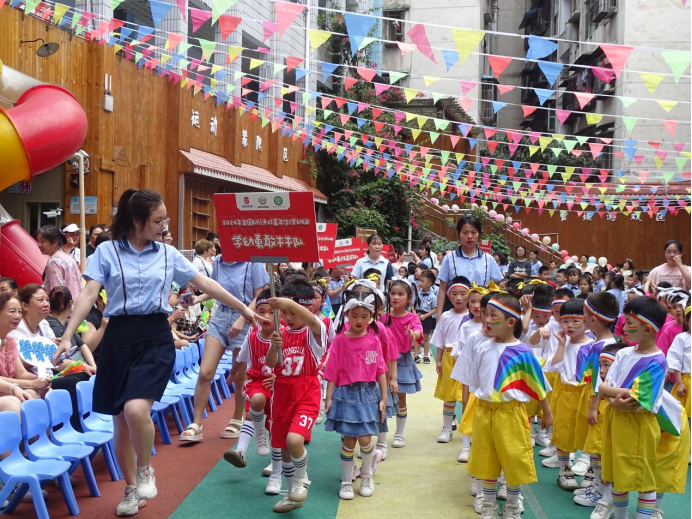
{"points": [[326, 237], [388, 252], [486, 246], [38, 352], [267, 226], [346, 253], [91, 205]]}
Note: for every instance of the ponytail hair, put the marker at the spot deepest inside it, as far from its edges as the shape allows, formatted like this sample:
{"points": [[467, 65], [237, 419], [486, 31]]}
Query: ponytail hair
{"points": [[133, 205]]}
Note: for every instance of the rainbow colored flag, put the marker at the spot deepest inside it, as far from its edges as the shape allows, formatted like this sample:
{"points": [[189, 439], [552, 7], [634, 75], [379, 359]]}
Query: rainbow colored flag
{"points": [[669, 415], [587, 369], [519, 369], [645, 380]]}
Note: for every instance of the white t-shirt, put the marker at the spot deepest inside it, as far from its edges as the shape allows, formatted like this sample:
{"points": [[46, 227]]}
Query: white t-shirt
{"points": [[35, 348], [679, 354], [205, 268], [627, 366], [490, 379], [671, 275], [448, 329], [568, 367], [465, 362], [466, 330]]}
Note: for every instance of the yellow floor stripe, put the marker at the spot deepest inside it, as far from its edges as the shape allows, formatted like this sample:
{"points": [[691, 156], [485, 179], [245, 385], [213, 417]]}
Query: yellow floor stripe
{"points": [[424, 478]]}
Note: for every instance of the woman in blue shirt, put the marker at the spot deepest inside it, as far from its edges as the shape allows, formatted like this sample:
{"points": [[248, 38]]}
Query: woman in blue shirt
{"points": [[137, 353]]}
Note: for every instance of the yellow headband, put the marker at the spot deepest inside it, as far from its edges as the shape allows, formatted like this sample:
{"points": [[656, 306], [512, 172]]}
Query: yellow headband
{"points": [[478, 289], [521, 285], [375, 278], [492, 287]]}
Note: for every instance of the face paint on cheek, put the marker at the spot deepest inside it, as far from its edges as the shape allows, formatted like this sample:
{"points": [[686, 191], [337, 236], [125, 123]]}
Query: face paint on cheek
{"points": [[495, 321], [630, 329]]}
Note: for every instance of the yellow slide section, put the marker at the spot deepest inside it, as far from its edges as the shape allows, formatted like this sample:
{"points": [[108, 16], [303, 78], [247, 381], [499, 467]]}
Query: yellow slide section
{"points": [[16, 164]]}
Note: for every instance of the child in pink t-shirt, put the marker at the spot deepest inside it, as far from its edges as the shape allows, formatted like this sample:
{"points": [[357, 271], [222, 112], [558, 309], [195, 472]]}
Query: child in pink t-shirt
{"points": [[357, 389]]}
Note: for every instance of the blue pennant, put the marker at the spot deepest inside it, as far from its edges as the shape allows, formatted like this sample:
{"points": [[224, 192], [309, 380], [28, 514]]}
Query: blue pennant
{"points": [[551, 70], [540, 47], [327, 70]]}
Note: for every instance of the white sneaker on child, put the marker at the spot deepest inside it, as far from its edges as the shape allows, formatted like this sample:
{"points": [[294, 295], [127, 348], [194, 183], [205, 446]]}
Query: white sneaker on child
{"points": [[286, 505], [603, 510], [566, 481], [146, 482], [267, 471], [299, 490], [235, 458], [589, 478], [552, 462], [583, 490], [346, 491], [511, 511], [445, 436], [320, 417], [262, 444], [273, 487], [550, 450], [489, 511], [476, 488], [382, 447], [130, 504], [478, 502], [542, 438], [398, 441], [658, 514], [582, 464], [464, 454], [502, 491], [590, 498], [367, 486]]}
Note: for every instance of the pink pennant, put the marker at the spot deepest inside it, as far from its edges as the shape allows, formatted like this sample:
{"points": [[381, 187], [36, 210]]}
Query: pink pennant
{"points": [[489, 132], [46, 14], [86, 18], [584, 98], [604, 74], [528, 110], [505, 88], [467, 86], [362, 106], [381, 87], [454, 140], [405, 48], [661, 154], [268, 28], [515, 137], [562, 115], [596, 149], [670, 126], [174, 39], [606, 140], [366, 73], [326, 101], [397, 129], [198, 18], [499, 64], [228, 24], [286, 13], [617, 55], [465, 103], [678, 146], [349, 82], [292, 62], [534, 136], [418, 36], [399, 116], [639, 159], [512, 149]]}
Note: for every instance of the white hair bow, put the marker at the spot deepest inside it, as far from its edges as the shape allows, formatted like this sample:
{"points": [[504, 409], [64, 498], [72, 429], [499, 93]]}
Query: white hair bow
{"points": [[368, 303]]}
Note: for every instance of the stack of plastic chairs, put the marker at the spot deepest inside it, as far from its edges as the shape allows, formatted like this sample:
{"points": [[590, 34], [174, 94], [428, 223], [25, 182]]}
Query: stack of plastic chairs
{"points": [[16, 470]]}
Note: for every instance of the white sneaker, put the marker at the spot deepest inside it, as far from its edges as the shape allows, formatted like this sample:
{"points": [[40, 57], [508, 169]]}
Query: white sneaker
{"points": [[658, 514], [299, 490], [583, 490], [398, 441], [542, 438], [376, 459], [235, 458], [476, 488], [346, 491], [267, 471], [478, 502], [445, 436], [589, 478], [489, 511], [286, 505], [552, 462], [273, 487], [367, 486], [511, 511], [582, 464], [382, 447], [502, 492], [533, 439], [590, 498], [603, 510], [320, 417], [566, 481], [262, 443], [550, 450], [146, 482], [464, 454], [130, 504]]}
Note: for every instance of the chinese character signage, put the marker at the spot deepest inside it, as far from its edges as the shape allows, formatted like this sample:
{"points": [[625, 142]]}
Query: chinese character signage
{"points": [[38, 352], [346, 253], [326, 238], [486, 246], [267, 225], [388, 252], [91, 205]]}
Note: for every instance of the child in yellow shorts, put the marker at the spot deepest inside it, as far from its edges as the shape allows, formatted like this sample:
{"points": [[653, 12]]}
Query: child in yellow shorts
{"points": [[505, 377], [679, 360], [631, 433]]}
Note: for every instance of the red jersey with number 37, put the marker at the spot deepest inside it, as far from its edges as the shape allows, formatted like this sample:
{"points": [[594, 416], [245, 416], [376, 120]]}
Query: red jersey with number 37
{"points": [[301, 352]]}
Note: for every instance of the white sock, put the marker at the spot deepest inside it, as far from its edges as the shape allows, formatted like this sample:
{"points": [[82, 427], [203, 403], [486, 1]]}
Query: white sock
{"points": [[401, 421], [465, 440], [276, 463], [366, 466], [382, 440], [301, 464], [257, 420], [346, 465], [448, 415], [246, 433], [289, 473]]}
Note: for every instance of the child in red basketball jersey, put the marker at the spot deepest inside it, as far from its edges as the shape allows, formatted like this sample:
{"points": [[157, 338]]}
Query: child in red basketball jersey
{"points": [[257, 390], [296, 400]]}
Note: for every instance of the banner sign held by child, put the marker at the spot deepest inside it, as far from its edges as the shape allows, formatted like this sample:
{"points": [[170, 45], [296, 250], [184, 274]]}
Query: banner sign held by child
{"points": [[346, 253], [326, 238]]}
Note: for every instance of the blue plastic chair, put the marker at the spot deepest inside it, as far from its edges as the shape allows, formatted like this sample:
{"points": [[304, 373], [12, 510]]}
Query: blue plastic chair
{"points": [[62, 432], [190, 373], [35, 423], [174, 403], [17, 470], [87, 418]]}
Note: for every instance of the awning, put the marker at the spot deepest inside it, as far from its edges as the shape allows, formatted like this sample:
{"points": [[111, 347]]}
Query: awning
{"points": [[213, 166], [528, 15]]}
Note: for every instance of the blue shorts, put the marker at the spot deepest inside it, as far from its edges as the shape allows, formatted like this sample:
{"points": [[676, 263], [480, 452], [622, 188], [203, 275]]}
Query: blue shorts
{"points": [[221, 323]]}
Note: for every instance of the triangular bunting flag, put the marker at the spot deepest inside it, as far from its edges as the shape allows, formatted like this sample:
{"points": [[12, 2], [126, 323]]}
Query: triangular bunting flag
{"points": [[286, 13], [159, 10], [677, 61], [466, 41], [499, 64], [420, 39], [228, 24], [617, 55], [651, 81], [358, 26], [318, 38]]}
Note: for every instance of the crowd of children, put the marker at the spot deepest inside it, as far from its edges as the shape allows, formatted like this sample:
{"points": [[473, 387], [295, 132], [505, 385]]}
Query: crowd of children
{"points": [[540, 367]]}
